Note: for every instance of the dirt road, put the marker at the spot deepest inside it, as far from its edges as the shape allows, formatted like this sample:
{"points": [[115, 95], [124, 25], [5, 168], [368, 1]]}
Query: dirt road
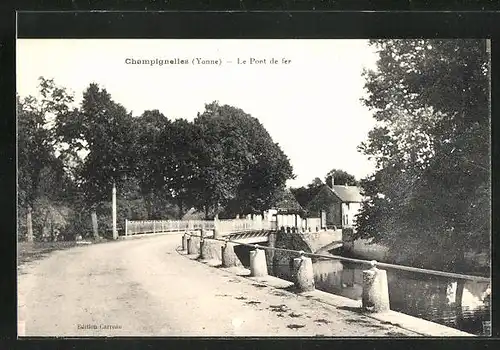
{"points": [[145, 287]]}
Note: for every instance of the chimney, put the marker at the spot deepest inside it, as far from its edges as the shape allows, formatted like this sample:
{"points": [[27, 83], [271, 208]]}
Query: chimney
{"points": [[332, 182]]}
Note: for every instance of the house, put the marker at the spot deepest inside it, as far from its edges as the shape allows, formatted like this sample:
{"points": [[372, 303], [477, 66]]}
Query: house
{"points": [[287, 211], [193, 214], [336, 205]]}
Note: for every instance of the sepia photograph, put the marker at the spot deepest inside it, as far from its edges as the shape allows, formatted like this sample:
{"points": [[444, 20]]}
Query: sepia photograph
{"points": [[253, 187]]}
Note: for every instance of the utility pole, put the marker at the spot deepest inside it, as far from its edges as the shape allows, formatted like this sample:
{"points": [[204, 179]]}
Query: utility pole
{"points": [[115, 233], [29, 224]]}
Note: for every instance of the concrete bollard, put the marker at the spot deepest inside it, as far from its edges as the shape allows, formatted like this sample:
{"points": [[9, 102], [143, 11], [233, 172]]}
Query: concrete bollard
{"points": [[270, 252], [375, 296], [210, 250], [258, 265], [184, 241], [229, 257], [303, 274], [217, 233], [193, 245]]}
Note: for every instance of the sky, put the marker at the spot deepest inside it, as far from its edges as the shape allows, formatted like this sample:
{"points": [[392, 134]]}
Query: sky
{"points": [[309, 101]]}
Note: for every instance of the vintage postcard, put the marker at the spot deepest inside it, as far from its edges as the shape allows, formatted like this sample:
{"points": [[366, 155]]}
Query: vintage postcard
{"points": [[253, 187]]}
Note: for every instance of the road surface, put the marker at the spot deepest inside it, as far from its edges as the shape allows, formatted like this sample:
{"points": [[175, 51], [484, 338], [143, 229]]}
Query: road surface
{"points": [[145, 287]]}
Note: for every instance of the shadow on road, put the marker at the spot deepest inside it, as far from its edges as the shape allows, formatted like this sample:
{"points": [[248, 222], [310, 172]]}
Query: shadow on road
{"points": [[28, 252]]}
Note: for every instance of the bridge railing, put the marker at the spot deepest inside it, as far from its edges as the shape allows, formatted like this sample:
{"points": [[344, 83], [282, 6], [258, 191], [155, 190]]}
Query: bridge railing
{"points": [[158, 226], [364, 262], [242, 225], [225, 227]]}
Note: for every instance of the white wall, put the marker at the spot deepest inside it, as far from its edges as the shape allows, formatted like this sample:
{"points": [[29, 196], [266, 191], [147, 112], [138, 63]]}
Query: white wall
{"points": [[349, 211]]}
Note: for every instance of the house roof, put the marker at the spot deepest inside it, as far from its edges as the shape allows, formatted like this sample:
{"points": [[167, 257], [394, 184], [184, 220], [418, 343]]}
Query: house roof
{"points": [[347, 193], [193, 214], [288, 203]]}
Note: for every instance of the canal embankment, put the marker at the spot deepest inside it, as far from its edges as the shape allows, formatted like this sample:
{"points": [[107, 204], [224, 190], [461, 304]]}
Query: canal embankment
{"points": [[353, 307]]}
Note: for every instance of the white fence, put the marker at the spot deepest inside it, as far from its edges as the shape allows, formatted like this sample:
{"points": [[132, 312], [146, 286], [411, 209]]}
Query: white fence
{"points": [[159, 226], [311, 223], [223, 226], [242, 225], [294, 220]]}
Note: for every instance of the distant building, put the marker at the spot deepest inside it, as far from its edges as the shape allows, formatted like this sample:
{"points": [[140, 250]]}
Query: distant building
{"points": [[336, 205], [288, 212], [193, 214]]}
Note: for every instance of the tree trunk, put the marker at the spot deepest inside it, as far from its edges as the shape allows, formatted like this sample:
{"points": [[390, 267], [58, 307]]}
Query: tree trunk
{"points": [[181, 209], [29, 224], [149, 206], [206, 212], [95, 229]]}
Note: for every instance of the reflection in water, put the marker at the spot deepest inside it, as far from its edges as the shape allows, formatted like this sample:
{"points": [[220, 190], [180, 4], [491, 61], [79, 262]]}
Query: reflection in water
{"points": [[428, 297]]}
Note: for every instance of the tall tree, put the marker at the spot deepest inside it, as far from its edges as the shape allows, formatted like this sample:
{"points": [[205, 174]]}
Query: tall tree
{"points": [[430, 193], [36, 141], [238, 162], [185, 170], [340, 177], [305, 194], [102, 130], [153, 156]]}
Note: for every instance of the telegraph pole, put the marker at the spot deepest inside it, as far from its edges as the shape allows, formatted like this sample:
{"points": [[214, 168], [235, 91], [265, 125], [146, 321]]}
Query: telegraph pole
{"points": [[115, 233]]}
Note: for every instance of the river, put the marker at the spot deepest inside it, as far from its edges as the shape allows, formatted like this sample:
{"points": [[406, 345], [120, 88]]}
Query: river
{"points": [[428, 297]]}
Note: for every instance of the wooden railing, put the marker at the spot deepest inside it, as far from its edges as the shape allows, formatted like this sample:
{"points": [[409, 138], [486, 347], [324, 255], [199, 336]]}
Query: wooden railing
{"points": [[224, 227], [159, 226], [242, 225]]}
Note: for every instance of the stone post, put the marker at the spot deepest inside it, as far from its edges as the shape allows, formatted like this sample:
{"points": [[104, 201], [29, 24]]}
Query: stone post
{"points": [[193, 245], [258, 265], [185, 238], [375, 296], [95, 229], [270, 252], [203, 234], [229, 257], [303, 274], [217, 232], [211, 250]]}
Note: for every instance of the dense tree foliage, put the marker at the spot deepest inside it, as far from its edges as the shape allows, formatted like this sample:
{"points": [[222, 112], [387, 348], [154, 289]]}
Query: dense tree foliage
{"points": [[223, 160], [41, 175], [431, 191], [340, 177], [103, 129], [305, 194], [240, 165]]}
